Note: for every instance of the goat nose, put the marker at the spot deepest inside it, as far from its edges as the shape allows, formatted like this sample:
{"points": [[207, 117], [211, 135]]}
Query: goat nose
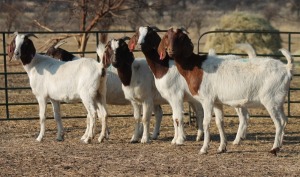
{"points": [[16, 53]]}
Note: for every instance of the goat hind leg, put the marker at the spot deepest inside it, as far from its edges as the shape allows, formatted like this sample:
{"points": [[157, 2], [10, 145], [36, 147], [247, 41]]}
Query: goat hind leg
{"points": [[158, 117], [243, 115]]}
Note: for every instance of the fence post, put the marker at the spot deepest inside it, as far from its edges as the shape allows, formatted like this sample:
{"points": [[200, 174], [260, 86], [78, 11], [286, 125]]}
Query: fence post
{"points": [[5, 76]]}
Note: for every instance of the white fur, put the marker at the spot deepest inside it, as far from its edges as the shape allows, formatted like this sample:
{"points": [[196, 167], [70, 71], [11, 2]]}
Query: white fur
{"points": [[243, 113], [58, 81], [260, 82]]}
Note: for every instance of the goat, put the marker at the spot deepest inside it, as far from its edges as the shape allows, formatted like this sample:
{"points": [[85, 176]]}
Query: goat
{"points": [[259, 82], [170, 84], [137, 82], [114, 93], [57, 81], [55, 52]]}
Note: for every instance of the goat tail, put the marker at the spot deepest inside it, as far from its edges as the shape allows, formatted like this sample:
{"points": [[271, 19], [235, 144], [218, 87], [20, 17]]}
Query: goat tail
{"points": [[247, 48], [290, 60]]}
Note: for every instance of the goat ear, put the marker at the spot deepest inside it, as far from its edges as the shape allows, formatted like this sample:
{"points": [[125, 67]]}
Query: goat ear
{"points": [[132, 42], [187, 46], [11, 48], [107, 55], [162, 49]]}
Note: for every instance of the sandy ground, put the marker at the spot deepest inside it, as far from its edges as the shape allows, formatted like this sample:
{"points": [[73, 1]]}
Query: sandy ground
{"points": [[21, 155]]}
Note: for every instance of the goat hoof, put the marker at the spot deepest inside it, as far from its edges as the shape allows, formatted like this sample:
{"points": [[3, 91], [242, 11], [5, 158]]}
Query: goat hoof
{"points": [[60, 139], [202, 152], [87, 141], [274, 151], [39, 139], [236, 142], [222, 151], [134, 141]]}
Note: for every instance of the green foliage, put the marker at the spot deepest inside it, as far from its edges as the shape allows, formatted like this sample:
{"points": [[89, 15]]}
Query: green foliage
{"points": [[264, 43]]}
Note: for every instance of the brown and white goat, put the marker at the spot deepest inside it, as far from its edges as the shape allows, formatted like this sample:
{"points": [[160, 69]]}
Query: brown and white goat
{"points": [[170, 84], [137, 84], [213, 81]]}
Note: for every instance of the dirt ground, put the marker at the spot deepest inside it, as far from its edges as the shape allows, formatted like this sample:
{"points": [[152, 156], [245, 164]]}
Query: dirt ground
{"points": [[21, 155]]}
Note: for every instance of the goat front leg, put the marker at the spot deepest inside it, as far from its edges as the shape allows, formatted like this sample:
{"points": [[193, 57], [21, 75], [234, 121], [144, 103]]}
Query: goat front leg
{"points": [[57, 117], [177, 108], [138, 128], [42, 113], [158, 117]]}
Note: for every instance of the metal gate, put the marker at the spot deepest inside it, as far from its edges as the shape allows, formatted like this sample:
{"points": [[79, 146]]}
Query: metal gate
{"points": [[15, 91]]}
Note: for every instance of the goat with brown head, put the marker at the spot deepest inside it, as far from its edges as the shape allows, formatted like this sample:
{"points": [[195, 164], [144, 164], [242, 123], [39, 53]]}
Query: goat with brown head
{"points": [[56, 52], [176, 43], [148, 39]]}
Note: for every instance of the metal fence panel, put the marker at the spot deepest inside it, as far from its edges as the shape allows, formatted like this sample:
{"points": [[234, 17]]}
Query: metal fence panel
{"points": [[15, 91]]}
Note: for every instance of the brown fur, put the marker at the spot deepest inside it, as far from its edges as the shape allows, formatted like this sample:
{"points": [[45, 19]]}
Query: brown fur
{"points": [[179, 46], [158, 67], [10, 48], [123, 60]]}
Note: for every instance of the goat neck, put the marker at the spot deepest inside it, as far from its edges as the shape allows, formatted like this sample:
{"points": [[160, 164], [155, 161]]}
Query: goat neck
{"points": [[123, 60], [177, 44], [149, 41]]}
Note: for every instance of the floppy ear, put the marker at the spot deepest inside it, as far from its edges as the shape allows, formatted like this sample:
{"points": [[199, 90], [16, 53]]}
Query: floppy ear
{"points": [[107, 55], [187, 46], [11, 48], [132, 42], [162, 48]]}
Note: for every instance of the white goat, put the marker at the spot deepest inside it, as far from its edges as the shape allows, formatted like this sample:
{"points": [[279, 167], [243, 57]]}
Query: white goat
{"points": [[137, 82], [260, 82], [54, 80]]}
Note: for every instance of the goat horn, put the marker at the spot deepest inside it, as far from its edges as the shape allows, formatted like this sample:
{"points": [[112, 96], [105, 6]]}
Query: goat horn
{"points": [[183, 30], [59, 44], [30, 34], [126, 38], [154, 28]]}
